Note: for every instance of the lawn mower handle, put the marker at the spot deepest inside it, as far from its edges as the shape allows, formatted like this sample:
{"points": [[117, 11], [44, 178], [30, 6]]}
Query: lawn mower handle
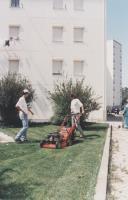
{"points": [[70, 115]]}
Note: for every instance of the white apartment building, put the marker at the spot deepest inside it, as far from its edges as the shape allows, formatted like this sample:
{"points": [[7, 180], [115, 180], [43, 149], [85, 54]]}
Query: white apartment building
{"points": [[114, 73], [49, 39]]}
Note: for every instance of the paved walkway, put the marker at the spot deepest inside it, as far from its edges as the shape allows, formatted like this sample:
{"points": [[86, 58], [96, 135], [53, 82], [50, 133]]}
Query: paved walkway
{"points": [[5, 138], [118, 182]]}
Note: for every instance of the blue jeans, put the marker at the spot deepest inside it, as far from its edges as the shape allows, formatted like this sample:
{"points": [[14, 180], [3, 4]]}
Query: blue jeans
{"points": [[22, 134], [77, 122], [125, 121]]}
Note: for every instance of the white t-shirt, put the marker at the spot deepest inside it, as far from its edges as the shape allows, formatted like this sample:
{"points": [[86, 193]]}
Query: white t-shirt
{"points": [[23, 105], [75, 106]]}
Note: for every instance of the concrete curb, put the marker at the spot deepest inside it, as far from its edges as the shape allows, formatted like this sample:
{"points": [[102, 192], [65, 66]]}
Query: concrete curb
{"points": [[101, 186]]}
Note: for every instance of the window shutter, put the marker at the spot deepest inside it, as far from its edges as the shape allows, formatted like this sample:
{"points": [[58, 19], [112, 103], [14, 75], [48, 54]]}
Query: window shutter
{"points": [[78, 4], [15, 3], [78, 34], [57, 66], [78, 67], [57, 34], [14, 32], [57, 4], [13, 66]]}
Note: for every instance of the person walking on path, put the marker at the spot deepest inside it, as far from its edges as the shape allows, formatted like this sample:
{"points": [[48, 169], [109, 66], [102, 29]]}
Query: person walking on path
{"points": [[125, 114], [77, 110], [23, 115]]}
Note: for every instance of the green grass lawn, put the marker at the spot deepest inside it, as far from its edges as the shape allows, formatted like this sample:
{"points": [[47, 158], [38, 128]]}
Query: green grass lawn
{"points": [[30, 173]]}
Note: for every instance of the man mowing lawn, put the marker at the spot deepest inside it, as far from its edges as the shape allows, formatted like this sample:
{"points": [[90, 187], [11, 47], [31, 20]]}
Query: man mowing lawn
{"points": [[23, 115], [77, 110], [30, 173]]}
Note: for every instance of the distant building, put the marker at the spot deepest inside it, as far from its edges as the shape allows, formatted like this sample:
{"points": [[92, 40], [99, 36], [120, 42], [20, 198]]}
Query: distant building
{"points": [[46, 40], [114, 73]]}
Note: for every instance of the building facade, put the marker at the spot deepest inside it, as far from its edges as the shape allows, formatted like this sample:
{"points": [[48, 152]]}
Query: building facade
{"points": [[48, 40], [114, 73]]}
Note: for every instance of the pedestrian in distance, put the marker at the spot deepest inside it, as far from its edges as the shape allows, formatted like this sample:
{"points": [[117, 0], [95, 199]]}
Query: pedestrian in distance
{"points": [[23, 110], [77, 110], [125, 114]]}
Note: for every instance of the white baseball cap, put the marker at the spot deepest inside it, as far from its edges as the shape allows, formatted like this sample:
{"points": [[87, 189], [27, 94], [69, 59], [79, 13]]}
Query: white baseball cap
{"points": [[25, 91]]}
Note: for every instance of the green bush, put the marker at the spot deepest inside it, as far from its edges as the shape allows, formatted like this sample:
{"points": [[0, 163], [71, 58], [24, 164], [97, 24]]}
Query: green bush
{"points": [[11, 87], [62, 100]]}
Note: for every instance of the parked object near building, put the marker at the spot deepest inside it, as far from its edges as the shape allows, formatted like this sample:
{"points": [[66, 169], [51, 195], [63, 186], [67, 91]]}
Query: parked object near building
{"points": [[115, 110], [51, 39]]}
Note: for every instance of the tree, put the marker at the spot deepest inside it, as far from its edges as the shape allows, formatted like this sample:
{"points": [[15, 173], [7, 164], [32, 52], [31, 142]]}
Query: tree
{"points": [[11, 87], [61, 98]]}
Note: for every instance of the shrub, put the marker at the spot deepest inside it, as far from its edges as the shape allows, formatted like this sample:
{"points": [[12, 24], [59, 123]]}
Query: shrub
{"points": [[11, 87], [61, 98]]}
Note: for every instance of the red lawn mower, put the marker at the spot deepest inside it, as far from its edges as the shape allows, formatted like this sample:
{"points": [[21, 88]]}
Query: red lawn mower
{"points": [[63, 138]]}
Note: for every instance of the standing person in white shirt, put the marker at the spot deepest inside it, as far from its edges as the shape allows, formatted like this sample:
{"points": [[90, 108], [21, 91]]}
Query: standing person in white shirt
{"points": [[23, 115], [77, 110]]}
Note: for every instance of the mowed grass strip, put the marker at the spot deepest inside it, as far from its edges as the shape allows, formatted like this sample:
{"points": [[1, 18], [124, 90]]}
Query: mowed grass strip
{"points": [[28, 172]]}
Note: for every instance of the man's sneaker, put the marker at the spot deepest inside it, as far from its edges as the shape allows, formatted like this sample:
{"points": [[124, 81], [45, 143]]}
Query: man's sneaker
{"points": [[22, 138], [26, 140], [18, 141], [82, 136]]}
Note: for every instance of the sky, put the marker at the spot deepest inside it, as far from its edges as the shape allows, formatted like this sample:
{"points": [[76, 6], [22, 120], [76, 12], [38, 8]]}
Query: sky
{"points": [[117, 29]]}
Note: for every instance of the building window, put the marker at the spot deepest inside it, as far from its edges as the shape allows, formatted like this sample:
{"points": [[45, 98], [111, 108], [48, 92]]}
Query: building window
{"points": [[57, 66], [78, 4], [14, 32], [57, 4], [78, 34], [13, 66], [78, 67], [57, 32], [15, 3]]}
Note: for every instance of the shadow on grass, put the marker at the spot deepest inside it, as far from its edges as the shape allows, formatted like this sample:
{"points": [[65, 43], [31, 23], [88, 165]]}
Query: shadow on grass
{"points": [[39, 124], [91, 126], [11, 190], [94, 128], [77, 141], [86, 137], [32, 141], [92, 136]]}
